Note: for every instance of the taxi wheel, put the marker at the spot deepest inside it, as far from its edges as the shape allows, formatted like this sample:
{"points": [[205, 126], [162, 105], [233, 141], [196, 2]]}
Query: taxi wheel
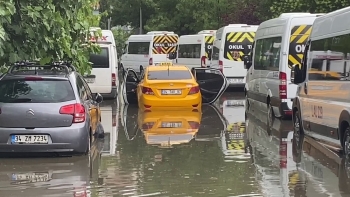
{"points": [[247, 104], [270, 114]]}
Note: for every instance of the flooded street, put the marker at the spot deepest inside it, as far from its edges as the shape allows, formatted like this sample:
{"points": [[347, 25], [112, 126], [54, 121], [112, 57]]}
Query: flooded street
{"points": [[219, 152]]}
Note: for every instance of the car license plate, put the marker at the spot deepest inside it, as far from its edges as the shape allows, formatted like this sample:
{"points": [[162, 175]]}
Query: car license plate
{"points": [[235, 103], [171, 124], [30, 139], [32, 177], [235, 80], [90, 80], [171, 92]]}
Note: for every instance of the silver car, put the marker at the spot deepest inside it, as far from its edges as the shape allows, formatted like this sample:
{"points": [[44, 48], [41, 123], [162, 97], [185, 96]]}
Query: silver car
{"points": [[47, 109]]}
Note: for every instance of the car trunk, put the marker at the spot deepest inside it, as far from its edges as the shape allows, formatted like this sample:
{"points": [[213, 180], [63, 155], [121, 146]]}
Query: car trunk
{"points": [[171, 89], [34, 115]]}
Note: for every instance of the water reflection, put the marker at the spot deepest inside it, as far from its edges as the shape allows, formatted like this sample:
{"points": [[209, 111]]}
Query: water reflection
{"points": [[52, 177], [168, 128], [271, 146], [194, 166], [321, 171]]}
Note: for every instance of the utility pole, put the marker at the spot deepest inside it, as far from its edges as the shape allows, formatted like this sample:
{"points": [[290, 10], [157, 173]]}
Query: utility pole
{"points": [[140, 19], [109, 23]]}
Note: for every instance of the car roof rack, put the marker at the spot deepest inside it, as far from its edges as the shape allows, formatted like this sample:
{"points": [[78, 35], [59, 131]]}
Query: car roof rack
{"points": [[66, 65]]}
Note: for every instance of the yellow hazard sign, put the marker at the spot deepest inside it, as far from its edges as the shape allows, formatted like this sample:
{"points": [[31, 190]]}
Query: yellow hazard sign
{"points": [[238, 44], [164, 44], [237, 145], [209, 41], [298, 39]]}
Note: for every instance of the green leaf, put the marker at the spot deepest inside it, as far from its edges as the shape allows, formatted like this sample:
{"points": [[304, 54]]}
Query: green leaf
{"points": [[45, 60]]}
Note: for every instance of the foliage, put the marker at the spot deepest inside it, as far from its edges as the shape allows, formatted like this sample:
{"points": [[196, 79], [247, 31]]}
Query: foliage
{"points": [[120, 37], [46, 30], [191, 16]]}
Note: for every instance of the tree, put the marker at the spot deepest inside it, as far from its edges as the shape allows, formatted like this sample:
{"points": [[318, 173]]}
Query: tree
{"points": [[47, 30], [120, 36]]}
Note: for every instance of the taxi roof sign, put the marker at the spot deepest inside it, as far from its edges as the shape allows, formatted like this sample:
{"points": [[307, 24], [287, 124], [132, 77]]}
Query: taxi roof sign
{"points": [[165, 64]]}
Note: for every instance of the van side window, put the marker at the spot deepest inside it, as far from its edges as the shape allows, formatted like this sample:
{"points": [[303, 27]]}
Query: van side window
{"points": [[139, 48], [100, 60], [330, 58], [267, 53], [215, 54], [189, 51]]}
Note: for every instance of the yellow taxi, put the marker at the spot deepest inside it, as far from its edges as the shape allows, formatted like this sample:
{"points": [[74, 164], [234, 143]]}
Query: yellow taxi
{"points": [[168, 128], [172, 86]]}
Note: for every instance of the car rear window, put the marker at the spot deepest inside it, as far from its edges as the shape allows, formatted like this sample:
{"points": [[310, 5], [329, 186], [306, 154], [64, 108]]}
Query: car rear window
{"points": [[169, 75], [100, 60], [30, 91]]}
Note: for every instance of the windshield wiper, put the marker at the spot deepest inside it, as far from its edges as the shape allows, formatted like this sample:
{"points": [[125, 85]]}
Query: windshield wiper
{"points": [[21, 100]]}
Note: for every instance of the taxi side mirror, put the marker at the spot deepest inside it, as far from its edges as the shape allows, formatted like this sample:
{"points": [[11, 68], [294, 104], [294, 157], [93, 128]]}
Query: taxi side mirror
{"points": [[247, 62], [172, 55]]}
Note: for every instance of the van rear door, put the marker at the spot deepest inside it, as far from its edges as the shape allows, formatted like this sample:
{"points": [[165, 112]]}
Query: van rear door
{"points": [[163, 45], [100, 80], [237, 44]]}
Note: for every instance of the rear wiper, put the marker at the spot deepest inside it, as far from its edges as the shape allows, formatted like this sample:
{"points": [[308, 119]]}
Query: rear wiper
{"points": [[21, 100]]}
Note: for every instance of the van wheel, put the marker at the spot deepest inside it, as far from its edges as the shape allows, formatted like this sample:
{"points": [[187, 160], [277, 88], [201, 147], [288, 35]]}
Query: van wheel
{"points": [[346, 144]]}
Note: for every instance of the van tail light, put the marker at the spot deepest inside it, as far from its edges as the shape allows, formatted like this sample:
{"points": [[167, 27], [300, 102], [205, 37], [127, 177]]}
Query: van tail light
{"points": [[203, 59], [114, 79], [193, 124], [283, 85], [150, 62], [193, 90], [221, 66], [146, 90], [283, 154], [146, 126], [114, 120], [76, 110]]}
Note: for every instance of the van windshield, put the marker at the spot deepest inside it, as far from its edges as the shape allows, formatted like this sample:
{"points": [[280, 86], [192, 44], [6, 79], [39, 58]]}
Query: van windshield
{"points": [[299, 36], [100, 60], [238, 44]]}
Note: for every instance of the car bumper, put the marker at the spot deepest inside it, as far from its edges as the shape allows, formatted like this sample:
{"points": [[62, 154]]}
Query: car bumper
{"points": [[152, 102], [71, 140]]}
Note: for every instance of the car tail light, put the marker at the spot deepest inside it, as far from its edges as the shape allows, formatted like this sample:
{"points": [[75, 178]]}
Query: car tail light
{"points": [[146, 90], [193, 124], [33, 78], [283, 85], [221, 66], [114, 79], [114, 120], [194, 90], [147, 125], [283, 154], [76, 110], [203, 62], [150, 62]]}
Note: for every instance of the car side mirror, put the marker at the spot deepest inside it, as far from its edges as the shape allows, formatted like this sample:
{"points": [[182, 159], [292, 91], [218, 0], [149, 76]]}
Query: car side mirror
{"points": [[172, 55], [247, 62], [98, 98]]}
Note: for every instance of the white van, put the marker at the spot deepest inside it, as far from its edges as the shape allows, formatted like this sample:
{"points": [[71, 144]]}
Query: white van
{"points": [[231, 44], [279, 43], [104, 77], [147, 49], [195, 50], [321, 107]]}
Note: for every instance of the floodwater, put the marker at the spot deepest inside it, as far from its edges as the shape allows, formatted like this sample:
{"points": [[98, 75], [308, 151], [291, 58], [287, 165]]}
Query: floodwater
{"points": [[221, 151]]}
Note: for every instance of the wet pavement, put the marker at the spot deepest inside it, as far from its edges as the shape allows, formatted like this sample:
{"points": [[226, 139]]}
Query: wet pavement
{"points": [[221, 151]]}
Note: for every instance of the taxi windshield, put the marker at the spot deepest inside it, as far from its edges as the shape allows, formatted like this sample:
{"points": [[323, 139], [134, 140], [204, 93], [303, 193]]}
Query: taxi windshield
{"points": [[169, 75]]}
